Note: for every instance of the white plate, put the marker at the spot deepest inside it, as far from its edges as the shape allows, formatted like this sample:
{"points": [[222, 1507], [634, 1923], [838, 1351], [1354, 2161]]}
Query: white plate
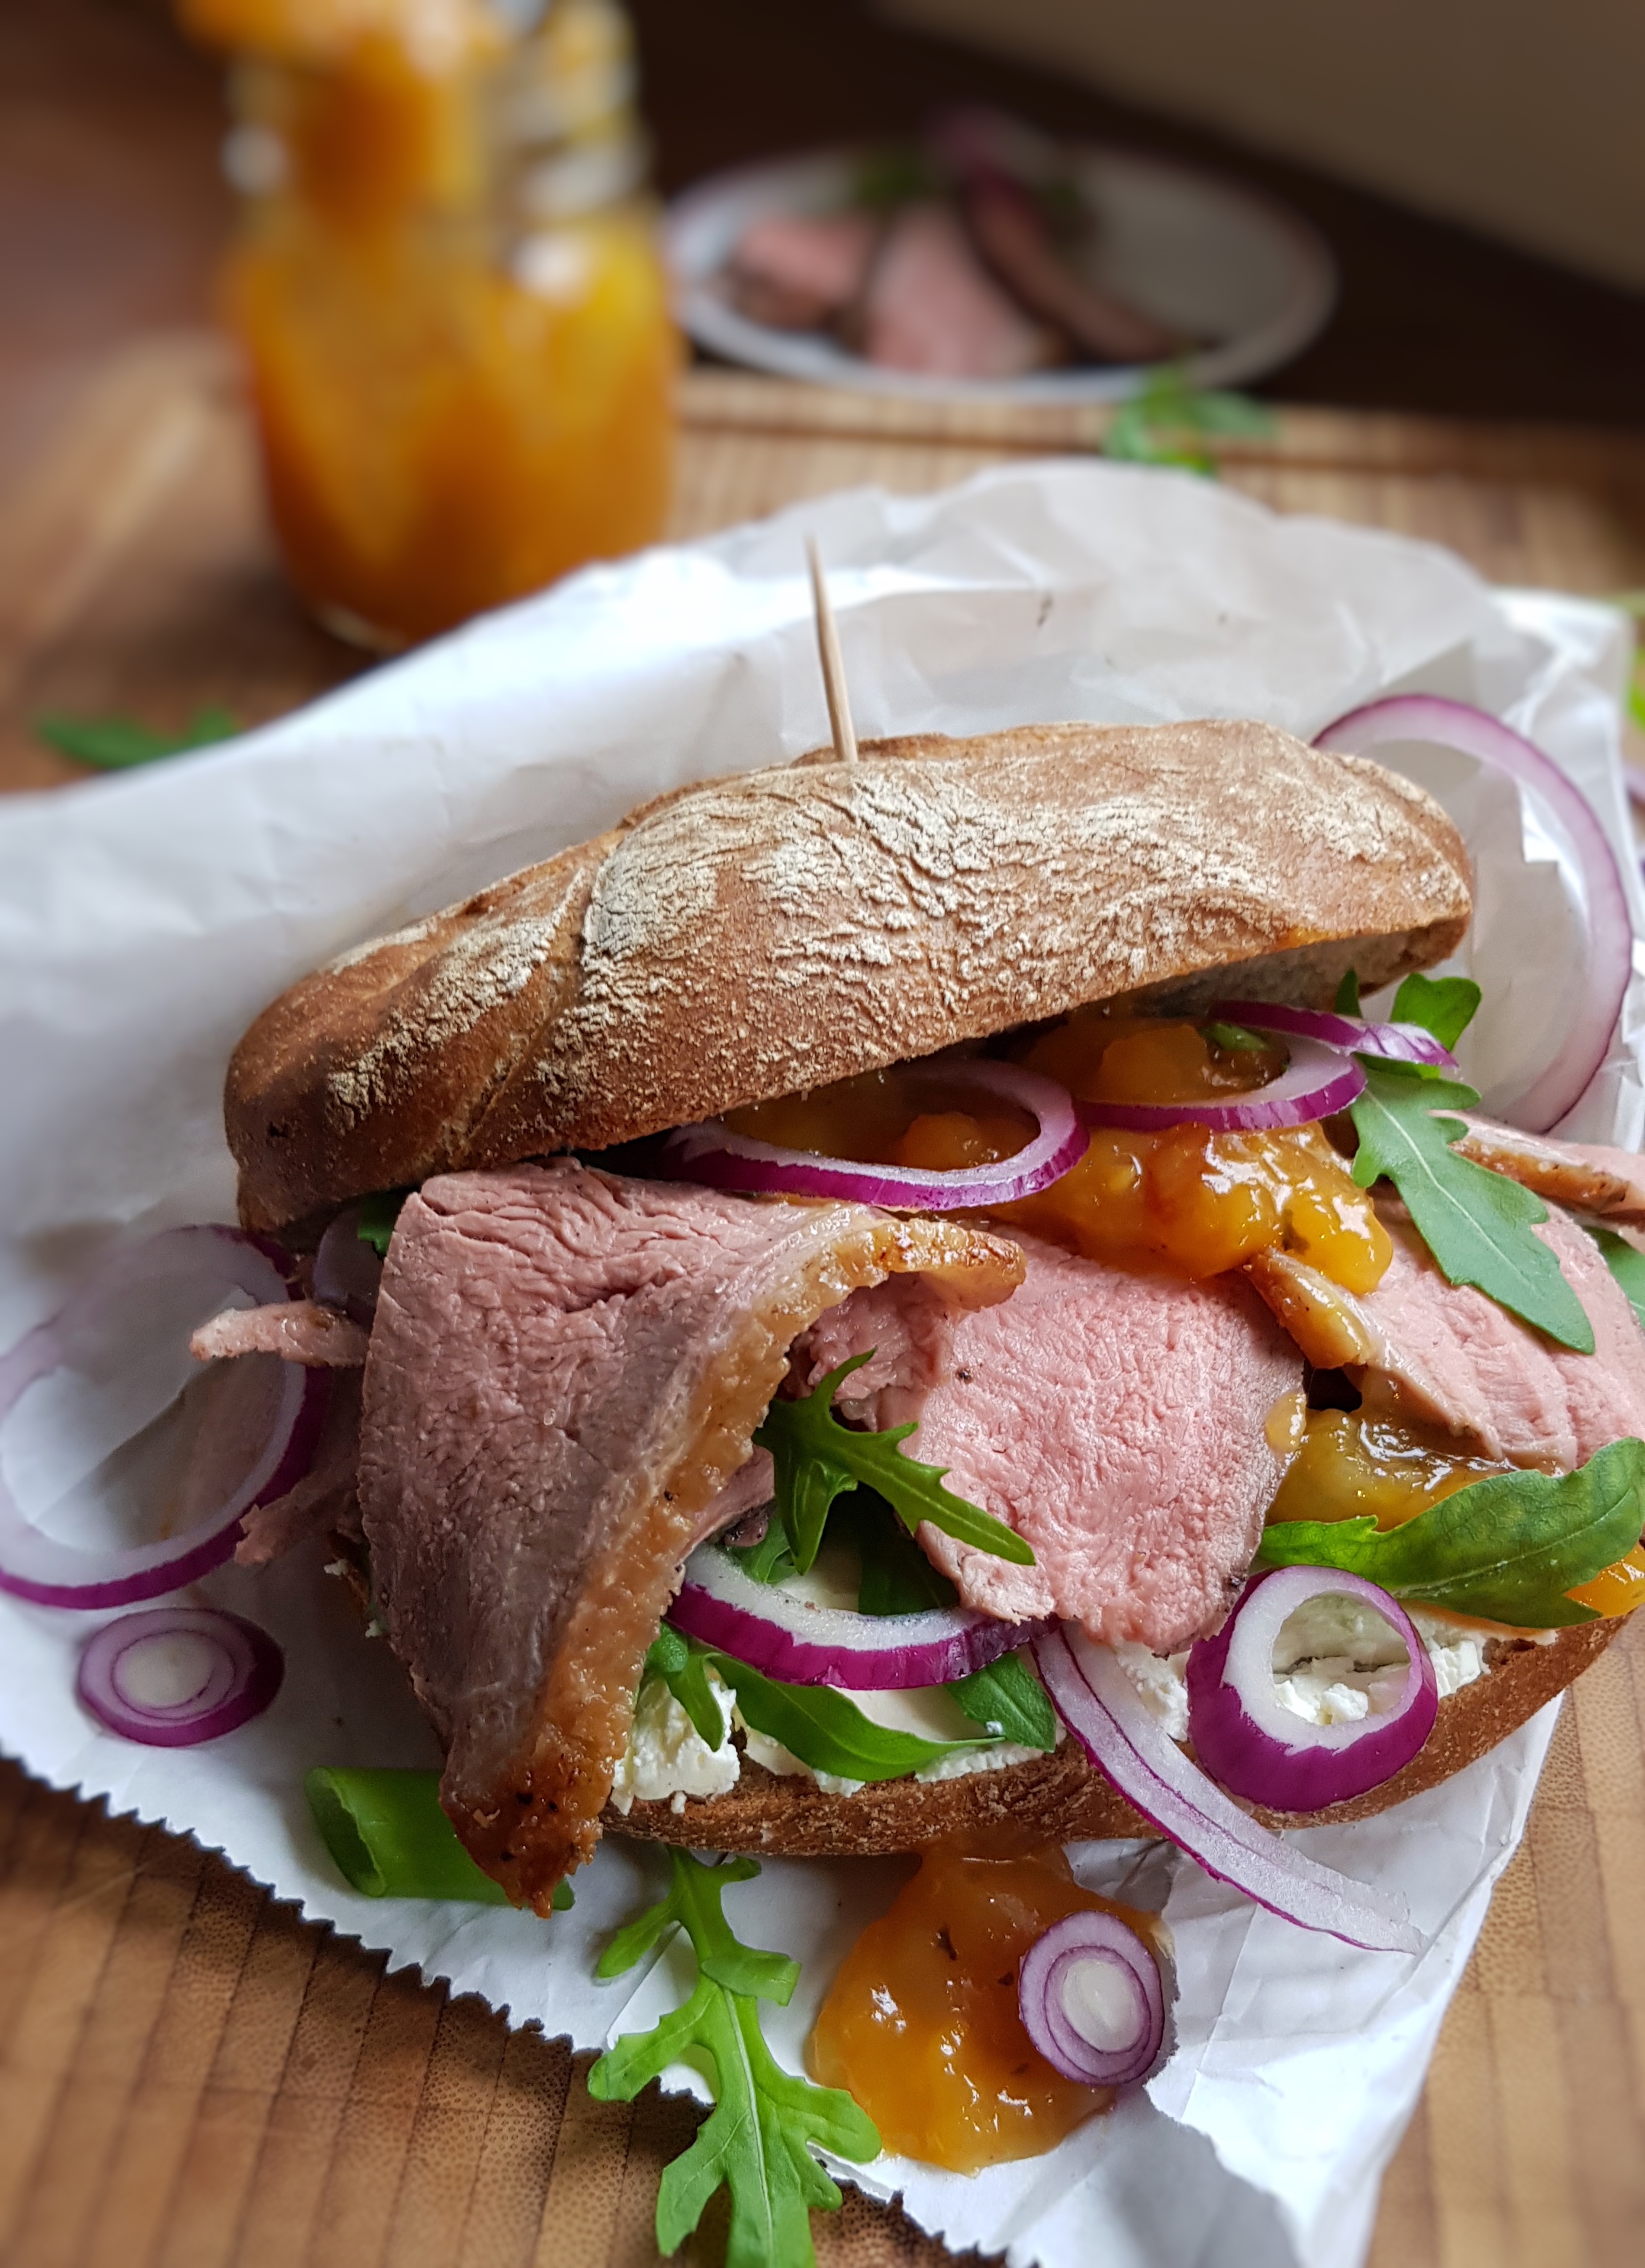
{"points": [[1198, 251]]}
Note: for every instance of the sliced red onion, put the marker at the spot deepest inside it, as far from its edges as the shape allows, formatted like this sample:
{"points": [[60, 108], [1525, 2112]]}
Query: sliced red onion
{"points": [[283, 1408], [1092, 2001], [346, 1270], [1107, 1716], [1475, 733], [1398, 1043], [173, 1677], [784, 1636], [709, 1152], [1317, 1081], [1246, 1737]]}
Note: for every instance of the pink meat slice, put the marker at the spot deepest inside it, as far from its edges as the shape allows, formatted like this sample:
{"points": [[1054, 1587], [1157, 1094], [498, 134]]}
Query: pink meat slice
{"points": [[298, 1331], [1117, 1421], [800, 269], [324, 1501], [1589, 1177], [933, 307], [1452, 1356], [565, 1369]]}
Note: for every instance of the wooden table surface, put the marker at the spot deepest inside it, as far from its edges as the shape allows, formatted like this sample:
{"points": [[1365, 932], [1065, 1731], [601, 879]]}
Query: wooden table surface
{"points": [[190, 2076]]}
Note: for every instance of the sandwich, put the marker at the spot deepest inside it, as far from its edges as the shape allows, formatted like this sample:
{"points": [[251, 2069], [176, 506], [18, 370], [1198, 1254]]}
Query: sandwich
{"points": [[905, 1302]]}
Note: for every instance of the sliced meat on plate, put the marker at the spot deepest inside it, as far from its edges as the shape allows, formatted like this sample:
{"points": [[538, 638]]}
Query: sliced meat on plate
{"points": [[566, 1368], [932, 306]]}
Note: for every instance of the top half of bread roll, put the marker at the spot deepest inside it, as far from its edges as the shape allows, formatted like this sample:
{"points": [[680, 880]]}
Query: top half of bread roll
{"points": [[753, 936]]}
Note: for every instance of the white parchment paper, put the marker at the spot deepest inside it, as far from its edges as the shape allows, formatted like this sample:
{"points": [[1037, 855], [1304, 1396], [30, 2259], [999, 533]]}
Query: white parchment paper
{"points": [[144, 920]]}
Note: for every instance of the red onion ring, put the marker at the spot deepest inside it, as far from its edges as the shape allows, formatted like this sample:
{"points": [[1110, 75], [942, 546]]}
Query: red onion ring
{"points": [[709, 1152], [1245, 1736], [1317, 1081], [1106, 1715], [1397, 1043], [784, 1636], [1474, 732], [346, 1270], [133, 1674], [36, 1566], [1092, 2001]]}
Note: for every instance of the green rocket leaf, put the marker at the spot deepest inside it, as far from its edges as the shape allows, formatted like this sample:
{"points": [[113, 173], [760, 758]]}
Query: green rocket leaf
{"points": [[1506, 1549], [757, 2141], [817, 1458], [1477, 1224]]}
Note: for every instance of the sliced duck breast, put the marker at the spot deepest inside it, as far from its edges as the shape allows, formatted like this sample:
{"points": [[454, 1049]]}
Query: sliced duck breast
{"points": [[1117, 1421], [1445, 1354], [565, 1369]]}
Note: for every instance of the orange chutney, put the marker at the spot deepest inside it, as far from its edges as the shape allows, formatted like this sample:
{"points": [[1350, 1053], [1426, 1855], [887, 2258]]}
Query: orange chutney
{"points": [[1187, 1200], [921, 2026], [450, 298]]}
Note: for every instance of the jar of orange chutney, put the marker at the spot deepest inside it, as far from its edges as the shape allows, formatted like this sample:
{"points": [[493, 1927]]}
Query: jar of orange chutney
{"points": [[448, 286]]}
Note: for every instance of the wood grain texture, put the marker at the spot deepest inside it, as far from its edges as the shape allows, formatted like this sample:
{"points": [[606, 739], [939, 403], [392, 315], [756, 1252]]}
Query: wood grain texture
{"points": [[190, 2077]]}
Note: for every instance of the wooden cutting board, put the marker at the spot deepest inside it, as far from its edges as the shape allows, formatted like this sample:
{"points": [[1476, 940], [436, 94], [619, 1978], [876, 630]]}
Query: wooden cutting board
{"points": [[192, 2077]]}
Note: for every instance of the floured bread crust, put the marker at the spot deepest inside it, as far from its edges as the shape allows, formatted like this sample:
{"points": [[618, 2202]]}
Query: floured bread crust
{"points": [[752, 936], [1061, 1799]]}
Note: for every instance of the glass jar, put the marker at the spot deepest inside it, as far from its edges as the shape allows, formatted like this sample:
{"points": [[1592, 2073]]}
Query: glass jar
{"points": [[449, 287]]}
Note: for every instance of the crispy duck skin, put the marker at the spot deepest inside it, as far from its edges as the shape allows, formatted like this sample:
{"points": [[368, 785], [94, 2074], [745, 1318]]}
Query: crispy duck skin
{"points": [[566, 1368]]}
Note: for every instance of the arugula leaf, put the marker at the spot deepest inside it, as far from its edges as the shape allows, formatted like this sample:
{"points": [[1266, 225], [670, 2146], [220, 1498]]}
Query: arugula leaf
{"points": [[1008, 1700], [769, 1560], [1477, 1224], [757, 2141], [896, 1577], [1443, 1005], [378, 1212], [817, 1458], [1626, 1261], [1506, 1549], [1166, 420], [685, 1674], [826, 1729], [115, 744], [389, 1837], [1347, 1000]]}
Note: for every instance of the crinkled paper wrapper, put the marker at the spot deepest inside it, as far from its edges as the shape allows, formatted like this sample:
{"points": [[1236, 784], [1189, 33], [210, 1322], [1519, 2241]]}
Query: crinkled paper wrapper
{"points": [[144, 921]]}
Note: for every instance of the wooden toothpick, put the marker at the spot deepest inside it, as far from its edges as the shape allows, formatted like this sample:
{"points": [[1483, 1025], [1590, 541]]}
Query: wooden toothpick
{"points": [[833, 666]]}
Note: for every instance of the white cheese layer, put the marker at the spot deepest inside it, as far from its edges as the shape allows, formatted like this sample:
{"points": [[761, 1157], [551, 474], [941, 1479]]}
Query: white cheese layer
{"points": [[1321, 1683], [668, 1761]]}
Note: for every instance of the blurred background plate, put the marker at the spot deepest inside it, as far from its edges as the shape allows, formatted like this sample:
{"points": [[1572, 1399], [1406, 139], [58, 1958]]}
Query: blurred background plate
{"points": [[1195, 250]]}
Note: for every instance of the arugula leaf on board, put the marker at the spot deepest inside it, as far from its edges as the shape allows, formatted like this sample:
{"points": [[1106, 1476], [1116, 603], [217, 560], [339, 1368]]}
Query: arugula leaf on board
{"points": [[826, 1729], [1477, 1224], [1347, 1002], [1169, 419], [685, 1674], [1443, 1005], [1008, 1700], [1626, 1261], [757, 2141], [1508, 1549], [817, 1459], [378, 1212], [115, 744]]}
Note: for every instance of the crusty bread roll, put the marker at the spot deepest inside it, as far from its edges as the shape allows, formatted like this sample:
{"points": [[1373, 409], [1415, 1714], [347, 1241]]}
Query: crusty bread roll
{"points": [[1059, 1799], [753, 936]]}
